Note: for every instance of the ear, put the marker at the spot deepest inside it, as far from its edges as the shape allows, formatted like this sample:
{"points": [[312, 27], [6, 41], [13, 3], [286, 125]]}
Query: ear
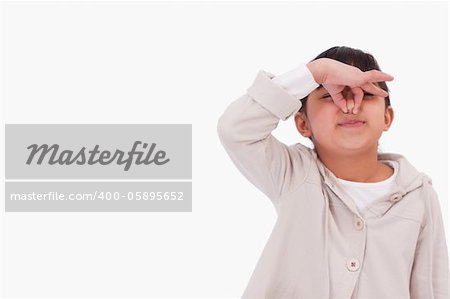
{"points": [[388, 118], [302, 124]]}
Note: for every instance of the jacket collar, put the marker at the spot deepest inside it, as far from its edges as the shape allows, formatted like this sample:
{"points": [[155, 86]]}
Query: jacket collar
{"points": [[407, 180]]}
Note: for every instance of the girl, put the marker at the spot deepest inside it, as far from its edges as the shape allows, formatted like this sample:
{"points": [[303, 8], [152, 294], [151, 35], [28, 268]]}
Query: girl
{"points": [[352, 222]]}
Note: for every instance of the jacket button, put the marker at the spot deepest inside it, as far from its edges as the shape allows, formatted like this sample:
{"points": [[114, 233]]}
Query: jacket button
{"points": [[353, 264], [359, 224], [395, 197]]}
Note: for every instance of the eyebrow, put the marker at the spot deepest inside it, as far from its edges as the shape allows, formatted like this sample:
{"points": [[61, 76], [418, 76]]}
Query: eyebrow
{"points": [[321, 89]]}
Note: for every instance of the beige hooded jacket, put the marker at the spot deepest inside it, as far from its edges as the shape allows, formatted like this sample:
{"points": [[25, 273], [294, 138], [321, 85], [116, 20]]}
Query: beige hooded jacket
{"points": [[321, 245]]}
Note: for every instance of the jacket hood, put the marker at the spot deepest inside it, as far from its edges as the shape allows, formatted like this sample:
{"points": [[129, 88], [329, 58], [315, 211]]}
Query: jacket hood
{"points": [[408, 177]]}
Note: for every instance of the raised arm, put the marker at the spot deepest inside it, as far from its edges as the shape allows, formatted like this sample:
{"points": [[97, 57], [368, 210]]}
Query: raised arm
{"points": [[245, 132]]}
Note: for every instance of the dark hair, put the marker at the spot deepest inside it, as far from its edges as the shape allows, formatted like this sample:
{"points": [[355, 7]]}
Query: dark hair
{"points": [[355, 57]]}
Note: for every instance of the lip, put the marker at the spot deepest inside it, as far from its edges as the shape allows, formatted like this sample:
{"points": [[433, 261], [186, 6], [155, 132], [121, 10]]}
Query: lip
{"points": [[353, 124]]}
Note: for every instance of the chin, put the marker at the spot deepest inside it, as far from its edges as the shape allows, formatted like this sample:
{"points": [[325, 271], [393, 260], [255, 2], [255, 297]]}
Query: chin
{"points": [[347, 144], [356, 146]]}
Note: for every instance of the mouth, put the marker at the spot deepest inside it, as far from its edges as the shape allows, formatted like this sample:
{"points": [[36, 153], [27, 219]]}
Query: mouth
{"points": [[352, 124]]}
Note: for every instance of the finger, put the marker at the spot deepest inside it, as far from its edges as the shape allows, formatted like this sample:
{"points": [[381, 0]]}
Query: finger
{"points": [[340, 101], [358, 95], [375, 90], [350, 105], [377, 76]]}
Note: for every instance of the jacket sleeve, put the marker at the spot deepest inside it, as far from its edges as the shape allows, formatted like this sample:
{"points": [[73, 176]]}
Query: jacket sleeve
{"points": [[245, 131], [430, 271]]}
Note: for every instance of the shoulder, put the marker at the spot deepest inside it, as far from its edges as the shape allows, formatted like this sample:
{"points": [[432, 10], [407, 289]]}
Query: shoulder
{"points": [[308, 156]]}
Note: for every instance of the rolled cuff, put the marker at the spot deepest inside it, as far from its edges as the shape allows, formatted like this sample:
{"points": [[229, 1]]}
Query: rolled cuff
{"points": [[299, 82], [282, 101]]}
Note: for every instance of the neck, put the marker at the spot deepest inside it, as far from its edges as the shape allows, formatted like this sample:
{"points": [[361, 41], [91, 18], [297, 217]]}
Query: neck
{"points": [[356, 167]]}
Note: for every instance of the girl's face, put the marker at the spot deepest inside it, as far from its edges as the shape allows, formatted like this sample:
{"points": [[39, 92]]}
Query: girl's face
{"points": [[334, 131]]}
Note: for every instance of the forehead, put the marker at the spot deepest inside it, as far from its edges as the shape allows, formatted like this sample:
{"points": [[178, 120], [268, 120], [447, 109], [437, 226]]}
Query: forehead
{"points": [[319, 89]]}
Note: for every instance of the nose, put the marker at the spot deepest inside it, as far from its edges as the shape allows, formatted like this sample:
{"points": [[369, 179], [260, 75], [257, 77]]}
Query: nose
{"points": [[349, 98]]}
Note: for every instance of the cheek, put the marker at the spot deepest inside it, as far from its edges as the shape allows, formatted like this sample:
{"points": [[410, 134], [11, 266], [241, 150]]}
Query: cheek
{"points": [[376, 112], [323, 117]]}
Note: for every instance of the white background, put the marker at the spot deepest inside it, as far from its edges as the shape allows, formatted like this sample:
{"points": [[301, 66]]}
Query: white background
{"points": [[184, 62]]}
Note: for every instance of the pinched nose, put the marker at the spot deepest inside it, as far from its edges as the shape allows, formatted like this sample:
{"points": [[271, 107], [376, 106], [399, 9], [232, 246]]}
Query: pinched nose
{"points": [[347, 93]]}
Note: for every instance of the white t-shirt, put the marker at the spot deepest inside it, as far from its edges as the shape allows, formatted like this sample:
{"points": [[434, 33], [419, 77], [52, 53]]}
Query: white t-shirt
{"points": [[365, 193]]}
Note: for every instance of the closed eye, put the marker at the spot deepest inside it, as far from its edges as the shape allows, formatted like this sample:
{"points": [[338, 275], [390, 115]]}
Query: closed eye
{"points": [[366, 94]]}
